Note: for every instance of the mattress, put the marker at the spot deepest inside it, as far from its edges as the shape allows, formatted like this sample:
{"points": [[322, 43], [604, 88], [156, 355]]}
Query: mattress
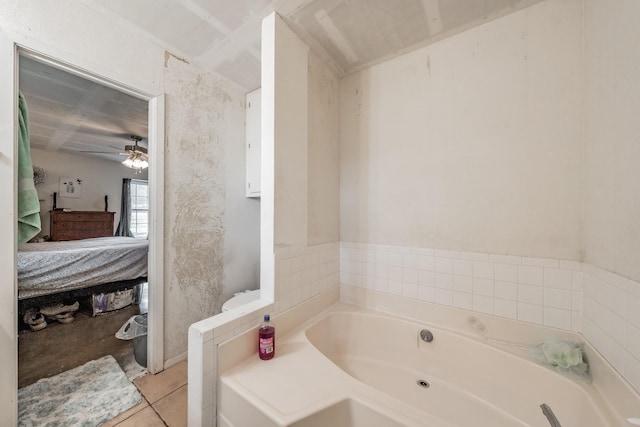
{"points": [[51, 267]]}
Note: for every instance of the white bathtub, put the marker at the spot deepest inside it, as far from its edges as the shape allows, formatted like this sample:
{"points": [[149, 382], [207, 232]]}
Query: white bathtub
{"points": [[355, 367]]}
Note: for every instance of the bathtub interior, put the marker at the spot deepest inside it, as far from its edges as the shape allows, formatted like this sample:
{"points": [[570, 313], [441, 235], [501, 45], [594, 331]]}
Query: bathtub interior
{"points": [[347, 412], [495, 386]]}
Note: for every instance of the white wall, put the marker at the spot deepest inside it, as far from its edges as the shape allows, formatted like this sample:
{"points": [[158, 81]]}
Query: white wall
{"points": [[99, 178], [204, 115], [242, 224], [611, 307], [612, 181], [473, 143], [323, 153]]}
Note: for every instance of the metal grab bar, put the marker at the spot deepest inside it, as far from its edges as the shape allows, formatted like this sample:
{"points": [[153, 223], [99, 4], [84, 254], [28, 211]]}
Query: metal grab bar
{"points": [[546, 410]]}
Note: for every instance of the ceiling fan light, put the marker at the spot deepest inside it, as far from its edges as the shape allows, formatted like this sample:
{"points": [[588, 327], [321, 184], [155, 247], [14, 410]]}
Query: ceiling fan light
{"points": [[128, 162], [136, 161], [140, 163]]}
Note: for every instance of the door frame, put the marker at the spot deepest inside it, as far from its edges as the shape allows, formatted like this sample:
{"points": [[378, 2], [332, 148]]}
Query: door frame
{"points": [[10, 50]]}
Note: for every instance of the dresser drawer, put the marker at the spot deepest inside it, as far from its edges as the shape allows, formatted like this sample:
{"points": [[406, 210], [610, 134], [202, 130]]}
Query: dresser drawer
{"points": [[78, 225]]}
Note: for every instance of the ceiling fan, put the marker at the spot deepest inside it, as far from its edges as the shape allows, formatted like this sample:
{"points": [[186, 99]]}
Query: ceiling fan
{"points": [[138, 157]]}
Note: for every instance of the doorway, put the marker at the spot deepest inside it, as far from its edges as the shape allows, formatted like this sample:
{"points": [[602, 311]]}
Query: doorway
{"points": [[8, 167]]}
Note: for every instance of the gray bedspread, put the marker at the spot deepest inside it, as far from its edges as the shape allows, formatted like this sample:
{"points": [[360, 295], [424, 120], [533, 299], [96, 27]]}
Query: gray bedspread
{"points": [[49, 267]]}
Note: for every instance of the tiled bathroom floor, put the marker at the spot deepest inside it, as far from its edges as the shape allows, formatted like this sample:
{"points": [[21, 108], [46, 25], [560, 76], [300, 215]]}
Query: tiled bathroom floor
{"points": [[164, 400]]}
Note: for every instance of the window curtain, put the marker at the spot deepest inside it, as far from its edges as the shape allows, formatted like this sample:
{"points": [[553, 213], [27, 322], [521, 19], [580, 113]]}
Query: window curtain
{"points": [[124, 226]]}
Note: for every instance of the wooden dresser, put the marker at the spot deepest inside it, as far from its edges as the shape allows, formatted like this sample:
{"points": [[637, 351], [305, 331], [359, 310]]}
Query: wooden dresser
{"points": [[76, 225]]}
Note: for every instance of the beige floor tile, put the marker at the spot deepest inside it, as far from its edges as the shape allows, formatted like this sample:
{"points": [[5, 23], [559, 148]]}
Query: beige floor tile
{"points": [[173, 408], [123, 416], [145, 418], [155, 387]]}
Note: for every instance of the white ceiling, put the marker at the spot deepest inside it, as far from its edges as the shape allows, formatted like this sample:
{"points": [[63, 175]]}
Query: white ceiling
{"points": [[72, 114], [223, 36]]}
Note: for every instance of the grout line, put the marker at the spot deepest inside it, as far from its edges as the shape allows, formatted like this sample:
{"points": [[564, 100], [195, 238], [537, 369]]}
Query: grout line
{"points": [[154, 409]]}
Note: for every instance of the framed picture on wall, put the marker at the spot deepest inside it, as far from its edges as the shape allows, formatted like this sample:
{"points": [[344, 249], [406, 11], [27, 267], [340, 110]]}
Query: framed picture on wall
{"points": [[70, 187]]}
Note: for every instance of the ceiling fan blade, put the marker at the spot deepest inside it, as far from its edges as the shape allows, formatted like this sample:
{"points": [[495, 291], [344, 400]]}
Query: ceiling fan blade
{"points": [[104, 152]]}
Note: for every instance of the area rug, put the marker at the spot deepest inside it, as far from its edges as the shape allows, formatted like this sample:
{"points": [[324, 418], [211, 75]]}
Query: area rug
{"points": [[84, 396]]}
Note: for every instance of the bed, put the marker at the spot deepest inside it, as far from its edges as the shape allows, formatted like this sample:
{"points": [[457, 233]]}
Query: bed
{"points": [[54, 272], [52, 267]]}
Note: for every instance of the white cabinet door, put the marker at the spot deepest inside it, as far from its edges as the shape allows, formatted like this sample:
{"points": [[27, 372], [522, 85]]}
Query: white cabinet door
{"points": [[253, 130]]}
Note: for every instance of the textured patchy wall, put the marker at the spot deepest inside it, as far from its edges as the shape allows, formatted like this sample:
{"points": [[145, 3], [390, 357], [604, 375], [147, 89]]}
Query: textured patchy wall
{"points": [[202, 114]]}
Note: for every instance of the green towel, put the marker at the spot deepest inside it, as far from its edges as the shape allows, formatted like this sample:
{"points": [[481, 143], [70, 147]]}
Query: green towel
{"points": [[28, 203]]}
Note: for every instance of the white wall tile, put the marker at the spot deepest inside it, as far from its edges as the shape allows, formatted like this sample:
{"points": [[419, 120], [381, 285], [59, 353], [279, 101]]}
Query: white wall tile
{"points": [[530, 275], [381, 257], [576, 321], [443, 296], [426, 278], [395, 259], [576, 301], [446, 253], [540, 262], [423, 251], [504, 308], [426, 293], [463, 284], [395, 273], [483, 270], [444, 281], [618, 301], [633, 288], [557, 318], [381, 271], [633, 310], [505, 290], [344, 278], [570, 265], [444, 265], [632, 341], [426, 262], [530, 313], [506, 272], [483, 287], [462, 267], [614, 353], [410, 261], [463, 300], [618, 328], [483, 304], [632, 370], [557, 298], [531, 294], [474, 256], [380, 284], [577, 280], [410, 276], [556, 278], [410, 290], [395, 287], [505, 259]]}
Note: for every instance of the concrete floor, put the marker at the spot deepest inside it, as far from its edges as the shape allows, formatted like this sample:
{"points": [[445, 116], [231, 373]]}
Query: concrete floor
{"points": [[60, 347]]}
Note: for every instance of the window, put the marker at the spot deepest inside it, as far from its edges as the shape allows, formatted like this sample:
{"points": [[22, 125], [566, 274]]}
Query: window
{"points": [[139, 208]]}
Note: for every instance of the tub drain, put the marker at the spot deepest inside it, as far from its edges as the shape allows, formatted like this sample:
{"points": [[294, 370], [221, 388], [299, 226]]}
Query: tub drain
{"points": [[423, 383]]}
